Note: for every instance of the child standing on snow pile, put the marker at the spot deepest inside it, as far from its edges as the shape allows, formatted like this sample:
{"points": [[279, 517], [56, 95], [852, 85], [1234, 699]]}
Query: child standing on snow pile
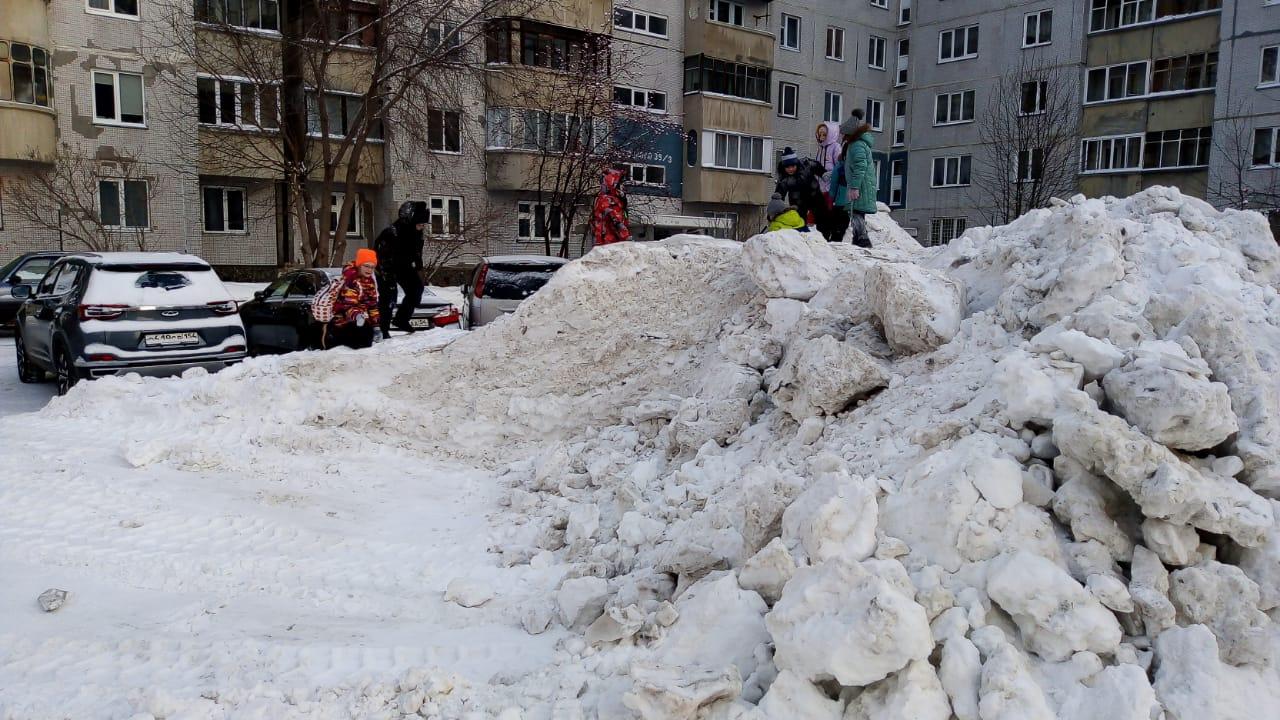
{"points": [[355, 308], [857, 192], [798, 184], [609, 214], [782, 216], [833, 224]]}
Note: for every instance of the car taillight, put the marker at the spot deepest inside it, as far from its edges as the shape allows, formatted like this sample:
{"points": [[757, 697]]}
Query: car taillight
{"points": [[235, 348], [478, 291], [448, 317], [101, 312], [223, 307], [102, 357]]}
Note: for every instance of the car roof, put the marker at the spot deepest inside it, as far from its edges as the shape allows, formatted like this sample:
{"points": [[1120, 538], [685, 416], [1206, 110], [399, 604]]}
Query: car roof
{"points": [[108, 259], [43, 253], [525, 260]]}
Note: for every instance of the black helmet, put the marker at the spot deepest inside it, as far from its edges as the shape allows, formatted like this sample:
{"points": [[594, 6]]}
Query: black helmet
{"points": [[406, 210], [414, 211]]}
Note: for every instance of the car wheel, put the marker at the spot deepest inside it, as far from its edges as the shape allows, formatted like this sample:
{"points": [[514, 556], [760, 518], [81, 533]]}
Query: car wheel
{"points": [[64, 367], [27, 372]]}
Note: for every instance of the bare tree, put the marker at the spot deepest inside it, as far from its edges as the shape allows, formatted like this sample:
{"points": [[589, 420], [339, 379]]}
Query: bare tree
{"points": [[1235, 183], [313, 106], [98, 203], [1030, 133]]}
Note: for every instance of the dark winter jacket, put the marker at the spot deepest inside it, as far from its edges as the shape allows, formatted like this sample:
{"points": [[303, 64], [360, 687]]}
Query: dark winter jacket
{"points": [[802, 189], [859, 172], [609, 214], [399, 247], [356, 295]]}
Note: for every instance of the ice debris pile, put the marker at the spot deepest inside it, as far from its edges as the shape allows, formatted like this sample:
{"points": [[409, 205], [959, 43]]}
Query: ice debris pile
{"points": [[1028, 475]]}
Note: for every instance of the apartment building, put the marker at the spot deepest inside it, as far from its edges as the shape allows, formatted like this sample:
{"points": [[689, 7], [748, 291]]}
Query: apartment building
{"points": [[725, 85]]}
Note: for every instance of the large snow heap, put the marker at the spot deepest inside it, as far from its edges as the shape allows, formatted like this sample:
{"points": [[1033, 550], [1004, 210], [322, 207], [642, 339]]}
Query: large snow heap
{"points": [[1031, 474]]}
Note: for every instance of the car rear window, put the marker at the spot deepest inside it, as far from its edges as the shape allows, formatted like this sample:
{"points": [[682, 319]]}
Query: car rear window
{"points": [[140, 285], [516, 282]]}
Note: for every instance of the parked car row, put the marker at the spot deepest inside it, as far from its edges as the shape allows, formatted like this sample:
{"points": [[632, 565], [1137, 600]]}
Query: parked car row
{"points": [[79, 316]]}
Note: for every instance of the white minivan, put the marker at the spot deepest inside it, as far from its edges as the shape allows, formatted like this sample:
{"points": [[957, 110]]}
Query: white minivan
{"points": [[499, 284]]}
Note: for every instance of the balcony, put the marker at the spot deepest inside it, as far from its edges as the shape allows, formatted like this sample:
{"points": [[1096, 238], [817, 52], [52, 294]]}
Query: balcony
{"points": [[588, 15], [733, 187], [26, 83], [26, 21], [232, 153], [740, 43], [30, 133], [517, 170], [715, 112]]}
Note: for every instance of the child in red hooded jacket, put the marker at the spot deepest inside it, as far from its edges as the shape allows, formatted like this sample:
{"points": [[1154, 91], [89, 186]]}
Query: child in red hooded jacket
{"points": [[609, 215]]}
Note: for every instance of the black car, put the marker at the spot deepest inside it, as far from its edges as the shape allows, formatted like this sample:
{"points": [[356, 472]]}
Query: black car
{"points": [[23, 270], [278, 318], [97, 314]]}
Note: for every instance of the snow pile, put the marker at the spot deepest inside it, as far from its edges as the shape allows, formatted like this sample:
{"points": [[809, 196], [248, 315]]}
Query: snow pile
{"points": [[1032, 474]]}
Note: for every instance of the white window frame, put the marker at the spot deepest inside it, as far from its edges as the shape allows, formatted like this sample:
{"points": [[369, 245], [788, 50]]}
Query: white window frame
{"points": [[1031, 159], [217, 93], [531, 214], [1108, 142], [1274, 81], [783, 86], [904, 12], [1160, 168], [1275, 150], [1038, 16], [709, 151], [900, 76], [956, 225], [875, 114], [736, 11], [832, 106], [948, 95], [120, 195], [875, 42], [1106, 86], [644, 174], [835, 50], [647, 23], [357, 214], [115, 84], [244, 209], [899, 123], [1042, 98], [443, 213], [784, 35], [646, 95], [947, 161], [882, 4], [112, 12], [897, 182], [969, 53]]}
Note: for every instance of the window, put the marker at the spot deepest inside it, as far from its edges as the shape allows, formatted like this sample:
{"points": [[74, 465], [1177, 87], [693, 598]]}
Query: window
{"points": [[1030, 165], [123, 203], [445, 36], [958, 44], [68, 276], [876, 52], [904, 12], [1270, 73], [117, 98], [445, 215], [708, 74], [952, 108], [944, 230], [1266, 152], [526, 129], [736, 152], [952, 171], [526, 42], [640, 22], [1116, 82], [342, 113], [881, 4], [1198, 71], [127, 8], [835, 43], [1037, 28], [900, 123], [904, 50], [1113, 14], [897, 182], [651, 175], [788, 99], [25, 74], [875, 114], [1034, 97], [535, 221], [255, 14], [724, 11], [237, 103], [1187, 148], [789, 38], [354, 221], [444, 131], [832, 104], [650, 100], [1111, 154], [223, 209]]}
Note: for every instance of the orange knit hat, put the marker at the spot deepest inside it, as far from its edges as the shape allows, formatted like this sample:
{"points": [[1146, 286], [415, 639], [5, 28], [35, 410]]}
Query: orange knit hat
{"points": [[365, 256]]}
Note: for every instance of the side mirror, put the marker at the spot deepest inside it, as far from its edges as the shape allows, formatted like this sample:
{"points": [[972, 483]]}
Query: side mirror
{"points": [[259, 294], [21, 292]]}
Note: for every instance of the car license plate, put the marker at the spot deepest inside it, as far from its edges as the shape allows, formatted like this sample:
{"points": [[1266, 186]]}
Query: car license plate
{"points": [[171, 339], [420, 322]]}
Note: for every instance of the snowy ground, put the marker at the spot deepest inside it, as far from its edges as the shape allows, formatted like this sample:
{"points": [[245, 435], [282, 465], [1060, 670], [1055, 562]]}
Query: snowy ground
{"points": [[17, 397]]}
